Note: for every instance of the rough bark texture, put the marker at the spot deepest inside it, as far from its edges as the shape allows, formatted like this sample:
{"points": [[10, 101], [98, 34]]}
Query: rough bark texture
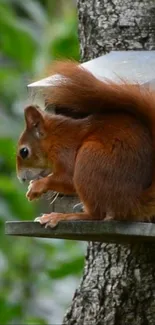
{"points": [[106, 25], [118, 285]]}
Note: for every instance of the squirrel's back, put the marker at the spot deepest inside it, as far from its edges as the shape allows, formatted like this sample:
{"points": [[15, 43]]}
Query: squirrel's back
{"points": [[117, 157]]}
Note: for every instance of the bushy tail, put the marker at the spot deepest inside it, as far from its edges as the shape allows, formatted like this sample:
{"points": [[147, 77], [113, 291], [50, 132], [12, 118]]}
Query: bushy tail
{"points": [[79, 91]]}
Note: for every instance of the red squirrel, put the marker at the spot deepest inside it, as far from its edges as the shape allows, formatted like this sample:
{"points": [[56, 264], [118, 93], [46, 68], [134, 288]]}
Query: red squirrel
{"points": [[99, 145]]}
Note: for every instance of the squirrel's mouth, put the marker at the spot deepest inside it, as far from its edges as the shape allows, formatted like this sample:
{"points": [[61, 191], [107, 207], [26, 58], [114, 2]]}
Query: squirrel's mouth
{"points": [[29, 174], [44, 173]]}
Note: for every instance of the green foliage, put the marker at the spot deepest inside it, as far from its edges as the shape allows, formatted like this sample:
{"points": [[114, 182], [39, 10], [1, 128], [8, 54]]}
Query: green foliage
{"points": [[31, 270]]}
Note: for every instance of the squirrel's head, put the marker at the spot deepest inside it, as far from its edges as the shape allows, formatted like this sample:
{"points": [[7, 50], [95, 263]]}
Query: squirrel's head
{"points": [[31, 159]]}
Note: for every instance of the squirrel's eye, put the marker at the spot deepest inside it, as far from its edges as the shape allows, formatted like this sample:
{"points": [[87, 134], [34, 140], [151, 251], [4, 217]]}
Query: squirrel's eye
{"points": [[24, 152]]}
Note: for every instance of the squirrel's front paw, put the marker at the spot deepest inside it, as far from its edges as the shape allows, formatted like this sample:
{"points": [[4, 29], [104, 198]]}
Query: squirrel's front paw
{"points": [[50, 220], [35, 189]]}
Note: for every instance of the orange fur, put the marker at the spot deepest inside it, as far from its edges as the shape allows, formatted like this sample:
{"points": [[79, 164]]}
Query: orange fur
{"points": [[107, 158]]}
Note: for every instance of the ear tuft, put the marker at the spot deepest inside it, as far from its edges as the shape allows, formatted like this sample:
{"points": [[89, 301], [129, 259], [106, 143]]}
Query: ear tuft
{"points": [[34, 119], [32, 114]]}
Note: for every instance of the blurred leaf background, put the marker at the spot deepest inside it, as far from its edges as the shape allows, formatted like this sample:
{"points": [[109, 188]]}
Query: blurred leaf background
{"points": [[37, 276]]}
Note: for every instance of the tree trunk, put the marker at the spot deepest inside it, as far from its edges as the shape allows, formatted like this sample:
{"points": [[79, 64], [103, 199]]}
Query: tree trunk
{"points": [[106, 25], [118, 285]]}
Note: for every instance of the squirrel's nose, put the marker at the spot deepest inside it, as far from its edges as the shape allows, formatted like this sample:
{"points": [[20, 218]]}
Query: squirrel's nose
{"points": [[21, 178]]}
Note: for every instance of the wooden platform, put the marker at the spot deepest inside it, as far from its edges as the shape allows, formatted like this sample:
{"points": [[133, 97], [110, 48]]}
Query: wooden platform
{"points": [[109, 231]]}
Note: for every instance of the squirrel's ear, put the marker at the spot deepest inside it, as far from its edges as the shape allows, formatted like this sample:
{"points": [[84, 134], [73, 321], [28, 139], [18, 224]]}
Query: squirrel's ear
{"points": [[34, 119]]}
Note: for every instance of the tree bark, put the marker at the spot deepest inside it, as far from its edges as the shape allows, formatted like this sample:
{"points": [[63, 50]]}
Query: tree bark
{"points": [[106, 25], [118, 284]]}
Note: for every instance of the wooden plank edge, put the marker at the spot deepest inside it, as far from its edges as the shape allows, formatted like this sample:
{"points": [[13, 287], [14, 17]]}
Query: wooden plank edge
{"points": [[108, 231]]}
